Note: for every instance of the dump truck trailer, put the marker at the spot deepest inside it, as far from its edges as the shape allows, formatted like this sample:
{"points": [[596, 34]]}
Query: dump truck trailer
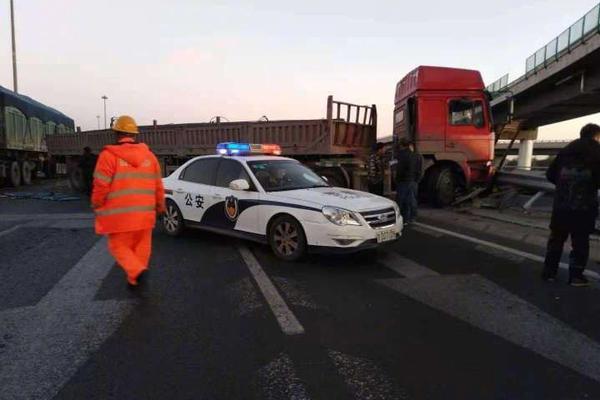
{"points": [[25, 124], [336, 146]]}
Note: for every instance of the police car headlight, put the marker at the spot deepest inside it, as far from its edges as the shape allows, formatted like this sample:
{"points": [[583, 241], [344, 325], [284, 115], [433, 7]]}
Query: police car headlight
{"points": [[341, 217]]}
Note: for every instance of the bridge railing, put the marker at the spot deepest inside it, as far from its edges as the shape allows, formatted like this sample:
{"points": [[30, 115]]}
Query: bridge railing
{"points": [[572, 37]]}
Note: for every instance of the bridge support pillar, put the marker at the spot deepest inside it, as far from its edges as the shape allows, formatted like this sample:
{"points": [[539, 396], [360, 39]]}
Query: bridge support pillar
{"points": [[525, 154]]}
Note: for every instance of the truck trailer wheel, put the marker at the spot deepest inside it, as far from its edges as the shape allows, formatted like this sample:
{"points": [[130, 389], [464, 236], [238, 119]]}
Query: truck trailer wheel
{"points": [[441, 187], [14, 174], [26, 173]]}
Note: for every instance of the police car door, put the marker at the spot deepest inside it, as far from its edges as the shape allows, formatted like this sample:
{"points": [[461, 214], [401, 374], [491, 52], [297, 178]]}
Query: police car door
{"points": [[194, 194], [233, 209]]}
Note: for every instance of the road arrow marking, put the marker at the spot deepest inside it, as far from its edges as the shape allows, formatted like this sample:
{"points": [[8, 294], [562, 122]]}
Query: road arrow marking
{"points": [[47, 343], [278, 380], [365, 378], [481, 303]]}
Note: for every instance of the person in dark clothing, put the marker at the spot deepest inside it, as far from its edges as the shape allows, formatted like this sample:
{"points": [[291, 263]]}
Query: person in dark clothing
{"points": [[576, 174], [409, 171], [375, 170], [87, 164]]}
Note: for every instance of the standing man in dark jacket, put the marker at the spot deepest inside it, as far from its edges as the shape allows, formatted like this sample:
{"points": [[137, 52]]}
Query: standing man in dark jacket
{"points": [[375, 170], [87, 163], [576, 174], [409, 171]]}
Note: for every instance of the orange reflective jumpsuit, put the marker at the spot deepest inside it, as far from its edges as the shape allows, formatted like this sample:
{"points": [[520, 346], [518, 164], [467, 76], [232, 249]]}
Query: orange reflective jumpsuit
{"points": [[127, 194]]}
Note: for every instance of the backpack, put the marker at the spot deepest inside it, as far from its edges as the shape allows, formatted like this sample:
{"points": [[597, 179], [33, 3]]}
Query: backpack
{"points": [[575, 188]]}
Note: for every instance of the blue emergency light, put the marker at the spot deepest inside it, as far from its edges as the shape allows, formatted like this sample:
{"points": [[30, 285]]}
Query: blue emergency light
{"points": [[241, 149]]}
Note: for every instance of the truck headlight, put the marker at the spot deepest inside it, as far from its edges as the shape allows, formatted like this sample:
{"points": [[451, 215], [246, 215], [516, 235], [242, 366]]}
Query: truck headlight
{"points": [[341, 217]]}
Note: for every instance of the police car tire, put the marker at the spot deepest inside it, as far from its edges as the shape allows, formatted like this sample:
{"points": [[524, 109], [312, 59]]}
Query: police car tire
{"points": [[290, 245], [172, 219]]}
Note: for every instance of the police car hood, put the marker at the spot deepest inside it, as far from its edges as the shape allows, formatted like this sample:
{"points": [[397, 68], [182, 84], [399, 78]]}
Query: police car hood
{"points": [[348, 199]]}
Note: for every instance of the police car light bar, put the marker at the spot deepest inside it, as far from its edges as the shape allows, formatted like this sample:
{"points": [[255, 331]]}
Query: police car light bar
{"points": [[240, 149]]}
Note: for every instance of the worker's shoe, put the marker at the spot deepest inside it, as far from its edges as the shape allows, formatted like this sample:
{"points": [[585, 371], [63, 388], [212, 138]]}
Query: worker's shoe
{"points": [[579, 281], [138, 280]]}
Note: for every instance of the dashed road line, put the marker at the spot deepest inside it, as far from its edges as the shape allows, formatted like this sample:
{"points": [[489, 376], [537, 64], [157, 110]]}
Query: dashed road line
{"points": [[365, 378], [287, 320], [524, 254]]}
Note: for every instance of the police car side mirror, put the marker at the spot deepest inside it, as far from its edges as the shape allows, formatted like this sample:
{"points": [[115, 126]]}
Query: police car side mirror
{"points": [[239, 184]]}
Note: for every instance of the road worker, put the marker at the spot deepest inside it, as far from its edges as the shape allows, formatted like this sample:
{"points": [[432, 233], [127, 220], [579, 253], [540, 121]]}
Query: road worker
{"points": [[127, 195], [576, 173]]}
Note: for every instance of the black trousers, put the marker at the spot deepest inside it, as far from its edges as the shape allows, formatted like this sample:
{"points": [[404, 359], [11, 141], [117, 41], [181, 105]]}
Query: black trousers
{"points": [[376, 188], [580, 252]]}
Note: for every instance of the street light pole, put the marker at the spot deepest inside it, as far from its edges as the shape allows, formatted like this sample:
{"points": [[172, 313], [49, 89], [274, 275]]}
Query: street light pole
{"points": [[104, 98], [14, 46], [98, 118]]}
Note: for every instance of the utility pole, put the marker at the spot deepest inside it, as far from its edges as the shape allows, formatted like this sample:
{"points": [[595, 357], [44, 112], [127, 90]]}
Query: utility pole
{"points": [[104, 98], [14, 46], [98, 118]]}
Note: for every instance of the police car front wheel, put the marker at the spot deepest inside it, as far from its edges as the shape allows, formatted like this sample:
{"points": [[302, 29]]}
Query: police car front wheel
{"points": [[287, 238], [172, 219]]}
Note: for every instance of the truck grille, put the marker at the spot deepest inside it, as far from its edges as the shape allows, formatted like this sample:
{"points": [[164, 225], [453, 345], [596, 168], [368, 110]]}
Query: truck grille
{"points": [[380, 218]]}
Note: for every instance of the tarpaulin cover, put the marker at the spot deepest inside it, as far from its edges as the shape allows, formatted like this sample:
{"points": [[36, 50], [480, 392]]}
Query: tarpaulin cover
{"points": [[33, 108]]}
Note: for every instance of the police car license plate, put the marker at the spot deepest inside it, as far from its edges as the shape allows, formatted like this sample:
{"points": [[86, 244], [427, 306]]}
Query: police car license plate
{"points": [[386, 236]]}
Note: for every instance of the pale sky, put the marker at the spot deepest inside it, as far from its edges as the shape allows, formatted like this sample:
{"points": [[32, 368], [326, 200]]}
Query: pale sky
{"points": [[187, 61]]}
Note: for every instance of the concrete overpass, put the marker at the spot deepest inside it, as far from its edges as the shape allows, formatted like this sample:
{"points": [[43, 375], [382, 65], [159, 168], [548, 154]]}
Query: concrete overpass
{"points": [[562, 82]]}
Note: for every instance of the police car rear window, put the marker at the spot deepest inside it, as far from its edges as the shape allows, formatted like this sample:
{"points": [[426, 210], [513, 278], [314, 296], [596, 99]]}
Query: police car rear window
{"points": [[201, 171], [230, 170]]}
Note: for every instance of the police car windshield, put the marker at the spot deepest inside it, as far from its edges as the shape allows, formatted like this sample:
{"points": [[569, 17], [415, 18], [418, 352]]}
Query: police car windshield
{"points": [[280, 175]]}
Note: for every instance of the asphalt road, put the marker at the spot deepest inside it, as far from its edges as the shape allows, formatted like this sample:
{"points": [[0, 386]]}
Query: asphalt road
{"points": [[430, 317]]}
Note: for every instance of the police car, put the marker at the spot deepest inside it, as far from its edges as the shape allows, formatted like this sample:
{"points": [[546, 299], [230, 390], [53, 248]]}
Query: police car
{"points": [[249, 191]]}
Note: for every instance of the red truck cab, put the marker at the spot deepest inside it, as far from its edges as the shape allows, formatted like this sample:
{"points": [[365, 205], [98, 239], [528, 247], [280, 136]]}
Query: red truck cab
{"points": [[446, 113]]}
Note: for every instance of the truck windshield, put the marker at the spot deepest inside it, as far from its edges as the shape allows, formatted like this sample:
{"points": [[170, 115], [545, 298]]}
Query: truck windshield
{"points": [[280, 175], [466, 112]]}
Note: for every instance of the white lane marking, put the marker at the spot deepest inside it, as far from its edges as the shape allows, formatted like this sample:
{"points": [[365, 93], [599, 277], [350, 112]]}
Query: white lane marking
{"points": [[499, 253], [481, 303], [10, 230], [287, 320], [296, 293], [404, 266], [524, 254], [47, 343], [365, 378], [426, 231], [278, 380]]}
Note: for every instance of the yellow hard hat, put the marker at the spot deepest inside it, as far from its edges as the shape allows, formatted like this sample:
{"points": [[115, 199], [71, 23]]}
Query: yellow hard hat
{"points": [[125, 124]]}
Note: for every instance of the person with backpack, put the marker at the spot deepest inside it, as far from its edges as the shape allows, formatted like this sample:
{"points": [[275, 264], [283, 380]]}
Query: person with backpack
{"points": [[576, 174]]}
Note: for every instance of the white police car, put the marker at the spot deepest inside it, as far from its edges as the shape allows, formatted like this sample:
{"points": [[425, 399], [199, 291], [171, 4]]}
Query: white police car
{"points": [[245, 192]]}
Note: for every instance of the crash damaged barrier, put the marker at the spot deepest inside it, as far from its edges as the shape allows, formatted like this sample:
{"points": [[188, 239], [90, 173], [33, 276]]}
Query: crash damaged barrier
{"points": [[50, 196]]}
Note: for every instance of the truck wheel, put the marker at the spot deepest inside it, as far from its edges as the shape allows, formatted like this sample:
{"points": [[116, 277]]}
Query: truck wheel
{"points": [[441, 187], [14, 176], [26, 173], [172, 219], [76, 180], [287, 238]]}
